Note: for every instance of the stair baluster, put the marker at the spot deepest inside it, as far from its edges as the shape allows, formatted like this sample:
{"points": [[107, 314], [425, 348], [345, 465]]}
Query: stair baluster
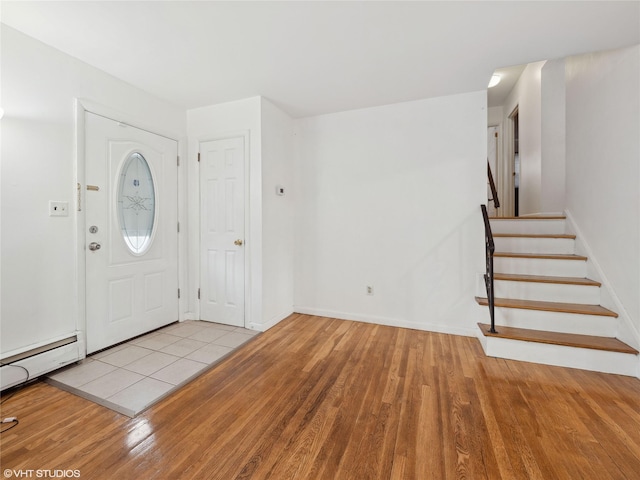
{"points": [[488, 276], [492, 185]]}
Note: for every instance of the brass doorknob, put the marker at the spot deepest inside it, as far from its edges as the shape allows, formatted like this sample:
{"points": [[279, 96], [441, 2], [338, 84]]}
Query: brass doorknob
{"points": [[238, 242]]}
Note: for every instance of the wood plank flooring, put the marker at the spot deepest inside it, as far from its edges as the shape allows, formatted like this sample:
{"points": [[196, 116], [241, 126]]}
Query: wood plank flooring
{"points": [[318, 398]]}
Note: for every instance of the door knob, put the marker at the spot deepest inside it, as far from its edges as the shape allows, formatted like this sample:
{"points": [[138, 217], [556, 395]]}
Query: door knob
{"points": [[238, 242], [93, 246]]}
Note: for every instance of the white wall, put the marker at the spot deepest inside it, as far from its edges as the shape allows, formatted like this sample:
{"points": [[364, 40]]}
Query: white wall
{"points": [[495, 116], [277, 214], [390, 197], [40, 253], [602, 165], [220, 121], [552, 180], [526, 95]]}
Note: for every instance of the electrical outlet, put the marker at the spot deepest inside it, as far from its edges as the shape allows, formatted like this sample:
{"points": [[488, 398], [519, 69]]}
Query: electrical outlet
{"points": [[369, 290], [58, 209]]}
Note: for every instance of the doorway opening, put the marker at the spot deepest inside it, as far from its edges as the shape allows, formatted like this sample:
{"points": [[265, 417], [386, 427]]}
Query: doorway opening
{"points": [[493, 159], [516, 162]]}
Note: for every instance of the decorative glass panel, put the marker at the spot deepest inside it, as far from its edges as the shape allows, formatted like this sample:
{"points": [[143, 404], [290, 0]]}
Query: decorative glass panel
{"points": [[136, 203]]}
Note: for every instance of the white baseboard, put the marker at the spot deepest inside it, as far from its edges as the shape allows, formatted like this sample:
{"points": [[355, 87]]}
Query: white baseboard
{"points": [[263, 327], [391, 322]]}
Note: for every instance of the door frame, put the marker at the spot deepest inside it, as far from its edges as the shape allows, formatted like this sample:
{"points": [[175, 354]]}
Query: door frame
{"points": [[81, 106], [508, 162], [197, 216], [512, 158], [499, 174]]}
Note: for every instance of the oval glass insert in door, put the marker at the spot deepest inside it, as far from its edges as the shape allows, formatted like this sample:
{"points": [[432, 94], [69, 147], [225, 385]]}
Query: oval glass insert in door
{"points": [[136, 203]]}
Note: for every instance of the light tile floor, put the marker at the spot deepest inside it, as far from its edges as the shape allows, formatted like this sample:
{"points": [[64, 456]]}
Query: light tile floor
{"points": [[132, 376]]}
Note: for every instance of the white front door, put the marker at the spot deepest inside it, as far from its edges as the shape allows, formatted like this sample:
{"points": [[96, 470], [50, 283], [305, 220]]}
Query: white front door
{"points": [[131, 231], [222, 231]]}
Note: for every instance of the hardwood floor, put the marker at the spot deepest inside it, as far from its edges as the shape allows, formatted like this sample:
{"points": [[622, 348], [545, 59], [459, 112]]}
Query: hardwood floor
{"points": [[318, 398]]}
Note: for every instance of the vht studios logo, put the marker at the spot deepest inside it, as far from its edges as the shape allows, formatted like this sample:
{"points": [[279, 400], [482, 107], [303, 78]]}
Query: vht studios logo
{"points": [[57, 473]]}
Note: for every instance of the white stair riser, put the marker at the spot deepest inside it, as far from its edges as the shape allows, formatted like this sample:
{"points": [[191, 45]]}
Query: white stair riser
{"points": [[583, 358], [551, 321], [527, 226], [534, 245], [540, 266], [547, 292]]}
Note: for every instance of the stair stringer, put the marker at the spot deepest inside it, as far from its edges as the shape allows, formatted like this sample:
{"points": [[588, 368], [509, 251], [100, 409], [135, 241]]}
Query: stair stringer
{"points": [[626, 330]]}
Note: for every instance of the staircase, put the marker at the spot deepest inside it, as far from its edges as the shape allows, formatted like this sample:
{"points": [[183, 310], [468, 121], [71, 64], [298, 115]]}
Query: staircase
{"points": [[546, 310]]}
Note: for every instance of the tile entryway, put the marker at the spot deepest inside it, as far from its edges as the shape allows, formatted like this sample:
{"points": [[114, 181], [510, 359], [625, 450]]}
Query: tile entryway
{"points": [[132, 376]]}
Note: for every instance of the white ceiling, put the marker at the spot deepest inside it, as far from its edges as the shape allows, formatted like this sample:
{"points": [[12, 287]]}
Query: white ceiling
{"points": [[319, 57], [509, 76]]}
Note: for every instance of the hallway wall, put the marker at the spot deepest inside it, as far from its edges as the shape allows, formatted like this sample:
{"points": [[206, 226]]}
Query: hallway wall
{"points": [[526, 95], [603, 165]]}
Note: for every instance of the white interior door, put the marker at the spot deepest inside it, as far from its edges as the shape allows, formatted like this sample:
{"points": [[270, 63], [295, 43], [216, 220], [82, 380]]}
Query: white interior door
{"points": [[131, 231], [222, 231]]}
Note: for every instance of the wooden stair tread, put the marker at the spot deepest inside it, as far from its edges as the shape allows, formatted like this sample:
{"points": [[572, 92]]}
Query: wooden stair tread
{"points": [[540, 217], [534, 235], [548, 256], [578, 308], [554, 338], [511, 277]]}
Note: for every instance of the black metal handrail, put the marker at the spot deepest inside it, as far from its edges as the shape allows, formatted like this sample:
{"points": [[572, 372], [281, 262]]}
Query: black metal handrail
{"points": [[492, 184], [488, 276]]}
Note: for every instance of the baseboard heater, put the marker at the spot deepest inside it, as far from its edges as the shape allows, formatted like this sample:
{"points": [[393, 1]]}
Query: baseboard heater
{"points": [[39, 360]]}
